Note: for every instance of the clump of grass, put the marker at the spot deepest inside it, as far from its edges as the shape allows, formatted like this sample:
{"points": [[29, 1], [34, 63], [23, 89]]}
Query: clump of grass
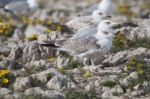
{"points": [[120, 42], [79, 94], [125, 10], [32, 69], [135, 65], [109, 83], [6, 28], [144, 6], [138, 65], [145, 42], [73, 64], [32, 97]]}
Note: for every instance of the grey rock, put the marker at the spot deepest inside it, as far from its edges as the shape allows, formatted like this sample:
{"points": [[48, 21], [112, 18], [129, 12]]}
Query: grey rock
{"points": [[123, 56], [53, 94], [89, 87], [42, 14], [34, 91], [61, 61], [129, 80], [17, 95], [146, 87], [134, 75], [31, 30], [8, 96], [136, 87], [135, 93], [46, 75], [4, 50], [18, 35], [30, 51], [4, 91], [107, 94], [39, 65], [117, 90], [59, 83], [10, 64], [22, 83], [12, 44]]}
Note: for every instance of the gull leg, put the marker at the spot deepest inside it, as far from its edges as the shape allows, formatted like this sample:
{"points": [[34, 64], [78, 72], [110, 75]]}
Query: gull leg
{"points": [[86, 61], [92, 62]]}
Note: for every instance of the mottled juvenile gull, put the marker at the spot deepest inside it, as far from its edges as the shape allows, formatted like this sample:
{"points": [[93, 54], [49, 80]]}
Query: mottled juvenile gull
{"points": [[105, 6], [92, 47], [85, 21], [19, 6]]}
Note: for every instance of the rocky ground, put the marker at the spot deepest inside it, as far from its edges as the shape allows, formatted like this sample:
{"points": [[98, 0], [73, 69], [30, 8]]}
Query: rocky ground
{"points": [[30, 71]]}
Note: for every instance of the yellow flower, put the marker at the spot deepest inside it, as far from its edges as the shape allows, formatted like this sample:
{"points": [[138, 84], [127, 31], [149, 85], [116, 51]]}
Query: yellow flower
{"points": [[5, 81], [141, 72], [6, 71], [59, 28], [1, 31], [2, 72], [87, 74], [51, 59], [48, 30], [32, 37], [49, 22], [62, 70]]}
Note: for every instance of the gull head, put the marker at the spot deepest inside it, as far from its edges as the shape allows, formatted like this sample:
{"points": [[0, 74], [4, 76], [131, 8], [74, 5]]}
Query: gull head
{"points": [[98, 16], [106, 28], [32, 3]]}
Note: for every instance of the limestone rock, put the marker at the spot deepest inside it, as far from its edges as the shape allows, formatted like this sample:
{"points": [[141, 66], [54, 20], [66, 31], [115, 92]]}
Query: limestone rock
{"points": [[22, 83]]}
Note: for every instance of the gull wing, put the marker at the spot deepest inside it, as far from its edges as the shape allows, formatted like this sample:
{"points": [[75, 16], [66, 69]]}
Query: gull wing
{"points": [[80, 45], [17, 7], [80, 22]]}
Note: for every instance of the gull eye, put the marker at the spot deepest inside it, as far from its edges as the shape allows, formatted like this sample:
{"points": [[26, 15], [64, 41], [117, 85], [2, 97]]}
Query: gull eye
{"points": [[106, 33], [100, 13], [108, 23], [108, 16]]}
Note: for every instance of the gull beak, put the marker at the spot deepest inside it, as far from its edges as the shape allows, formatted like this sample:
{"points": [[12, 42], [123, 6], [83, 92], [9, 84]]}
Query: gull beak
{"points": [[108, 17], [116, 26], [117, 33]]}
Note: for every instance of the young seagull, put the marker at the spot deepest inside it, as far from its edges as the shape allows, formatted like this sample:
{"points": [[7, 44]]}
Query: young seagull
{"points": [[107, 7], [86, 21], [18, 7], [92, 47]]}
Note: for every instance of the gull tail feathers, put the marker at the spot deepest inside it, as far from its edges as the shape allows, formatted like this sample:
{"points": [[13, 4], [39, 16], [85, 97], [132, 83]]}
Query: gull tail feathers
{"points": [[52, 43]]}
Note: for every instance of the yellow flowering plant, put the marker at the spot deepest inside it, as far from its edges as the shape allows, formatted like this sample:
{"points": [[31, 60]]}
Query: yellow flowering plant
{"points": [[87, 74], [5, 78]]}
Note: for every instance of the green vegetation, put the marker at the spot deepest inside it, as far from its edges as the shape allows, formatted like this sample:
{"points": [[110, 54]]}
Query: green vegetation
{"points": [[120, 43], [73, 64], [125, 10], [145, 42], [138, 65], [135, 64], [32, 97], [78, 94], [32, 69], [109, 83]]}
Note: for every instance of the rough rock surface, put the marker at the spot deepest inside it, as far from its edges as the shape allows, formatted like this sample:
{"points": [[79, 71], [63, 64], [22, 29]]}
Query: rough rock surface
{"points": [[30, 51]]}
